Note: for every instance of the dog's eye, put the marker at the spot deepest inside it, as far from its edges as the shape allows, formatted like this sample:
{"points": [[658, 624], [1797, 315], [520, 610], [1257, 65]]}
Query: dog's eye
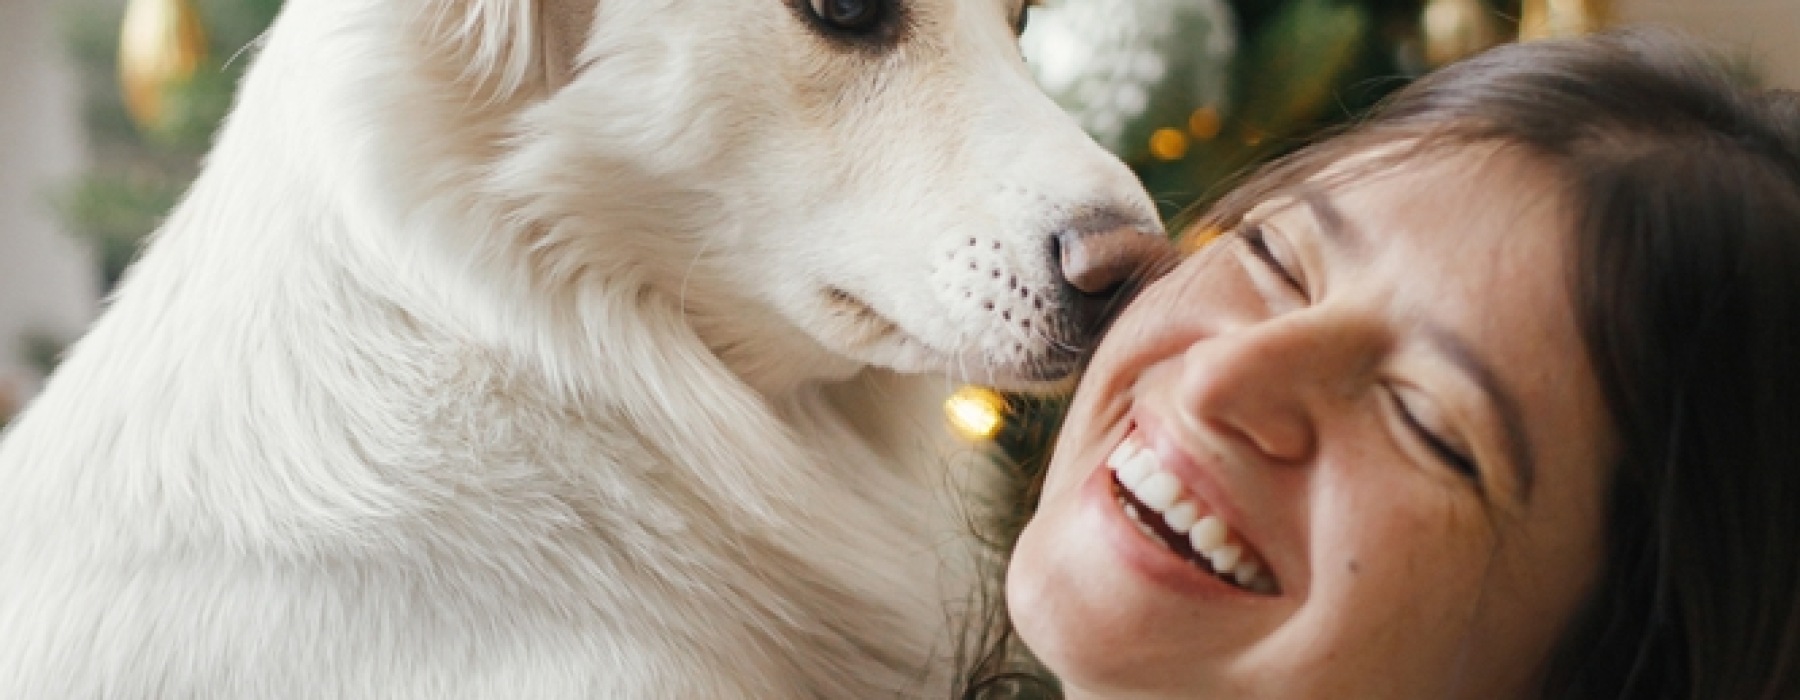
{"points": [[849, 15]]}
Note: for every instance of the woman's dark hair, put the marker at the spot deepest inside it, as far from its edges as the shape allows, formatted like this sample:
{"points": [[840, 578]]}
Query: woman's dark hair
{"points": [[1683, 188]]}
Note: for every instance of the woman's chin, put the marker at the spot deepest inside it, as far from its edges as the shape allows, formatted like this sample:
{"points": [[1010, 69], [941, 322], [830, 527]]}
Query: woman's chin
{"points": [[1106, 605], [1084, 615], [1055, 618]]}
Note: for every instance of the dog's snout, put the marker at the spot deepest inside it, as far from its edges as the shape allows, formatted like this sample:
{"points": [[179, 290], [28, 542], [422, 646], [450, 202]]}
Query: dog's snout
{"points": [[1099, 257]]}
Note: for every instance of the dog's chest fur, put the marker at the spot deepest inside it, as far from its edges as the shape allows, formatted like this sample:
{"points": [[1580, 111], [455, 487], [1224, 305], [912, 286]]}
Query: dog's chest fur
{"points": [[329, 498]]}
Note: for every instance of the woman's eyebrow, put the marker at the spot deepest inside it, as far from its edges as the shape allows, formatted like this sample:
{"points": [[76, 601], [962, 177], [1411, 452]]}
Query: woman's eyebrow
{"points": [[1504, 402], [1336, 227]]}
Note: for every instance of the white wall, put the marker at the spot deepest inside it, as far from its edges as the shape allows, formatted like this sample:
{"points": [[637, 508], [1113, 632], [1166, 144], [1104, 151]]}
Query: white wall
{"points": [[47, 281], [1766, 30]]}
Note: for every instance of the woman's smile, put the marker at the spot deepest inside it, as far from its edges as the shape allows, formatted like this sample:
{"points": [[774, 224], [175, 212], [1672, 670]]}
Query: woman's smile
{"points": [[1166, 498]]}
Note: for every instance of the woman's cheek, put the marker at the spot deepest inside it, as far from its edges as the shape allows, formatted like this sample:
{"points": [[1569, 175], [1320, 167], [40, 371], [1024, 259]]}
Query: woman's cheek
{"points": [[1406, 564]]}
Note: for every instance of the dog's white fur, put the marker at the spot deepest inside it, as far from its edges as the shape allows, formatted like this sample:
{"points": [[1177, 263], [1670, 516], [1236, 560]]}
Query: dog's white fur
{"points": [[519, 349]]}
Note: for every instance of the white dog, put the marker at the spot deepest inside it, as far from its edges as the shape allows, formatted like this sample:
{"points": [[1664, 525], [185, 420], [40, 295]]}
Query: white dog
{"points": [[560, 349]]}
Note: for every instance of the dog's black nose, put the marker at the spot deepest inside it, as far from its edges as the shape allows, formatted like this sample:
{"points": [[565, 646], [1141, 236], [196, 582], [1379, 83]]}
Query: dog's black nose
{"points": [[1100, 257]]}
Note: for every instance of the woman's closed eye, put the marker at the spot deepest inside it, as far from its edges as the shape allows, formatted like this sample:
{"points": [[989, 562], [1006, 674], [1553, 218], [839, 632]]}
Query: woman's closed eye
{"points": [[1273, 255], [1422, 423]]}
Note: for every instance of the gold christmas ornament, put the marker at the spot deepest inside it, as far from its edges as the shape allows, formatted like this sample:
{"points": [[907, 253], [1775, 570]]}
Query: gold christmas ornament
{"points": [[1544, 19], [1457, 29], [976, 413], [161, 45]]}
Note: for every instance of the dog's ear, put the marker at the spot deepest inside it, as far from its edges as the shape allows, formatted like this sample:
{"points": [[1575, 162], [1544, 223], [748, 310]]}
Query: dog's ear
{"points": [[505, 46]]}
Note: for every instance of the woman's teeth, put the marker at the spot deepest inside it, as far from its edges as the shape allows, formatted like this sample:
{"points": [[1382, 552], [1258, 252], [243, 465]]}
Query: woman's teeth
{"points": [[1185, 525]]}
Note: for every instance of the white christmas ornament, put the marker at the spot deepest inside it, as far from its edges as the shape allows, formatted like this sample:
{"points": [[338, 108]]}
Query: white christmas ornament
{"points": [[1125, 68]]}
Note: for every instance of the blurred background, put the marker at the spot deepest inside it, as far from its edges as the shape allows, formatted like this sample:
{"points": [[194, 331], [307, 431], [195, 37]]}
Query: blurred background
{"points": [[107, 106]]}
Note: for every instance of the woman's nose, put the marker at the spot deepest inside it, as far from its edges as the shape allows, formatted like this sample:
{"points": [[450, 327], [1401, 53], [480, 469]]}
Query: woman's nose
{"points": [[1268, 384]]}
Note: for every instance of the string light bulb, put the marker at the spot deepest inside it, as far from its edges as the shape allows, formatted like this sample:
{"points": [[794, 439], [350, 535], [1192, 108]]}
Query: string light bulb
{"points": [[976, 413], [1204, 124], [1168, 145], [1194, 240]]}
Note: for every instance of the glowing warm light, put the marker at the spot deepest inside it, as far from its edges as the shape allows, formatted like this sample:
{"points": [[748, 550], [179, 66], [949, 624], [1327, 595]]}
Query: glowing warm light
{"points": [[1168, 144], [1543, 19], [1456, 29], [1195, 240], [976, 413], [1204, 123], [1254, 136]]}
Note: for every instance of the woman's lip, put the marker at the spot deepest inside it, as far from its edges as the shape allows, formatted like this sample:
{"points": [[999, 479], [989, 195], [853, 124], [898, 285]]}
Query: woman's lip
{"points": [[1149, 559]]}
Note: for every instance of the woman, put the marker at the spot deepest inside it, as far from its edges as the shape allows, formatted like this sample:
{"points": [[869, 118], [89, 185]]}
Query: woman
{"points": [[1496, 395]]}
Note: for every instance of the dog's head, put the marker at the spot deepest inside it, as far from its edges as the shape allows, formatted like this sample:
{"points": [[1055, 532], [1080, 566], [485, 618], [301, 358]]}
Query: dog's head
{"points": [[881, 175]]}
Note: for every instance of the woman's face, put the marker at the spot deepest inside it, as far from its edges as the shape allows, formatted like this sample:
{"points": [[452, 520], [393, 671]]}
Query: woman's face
{"points": [[1372, 410]]}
